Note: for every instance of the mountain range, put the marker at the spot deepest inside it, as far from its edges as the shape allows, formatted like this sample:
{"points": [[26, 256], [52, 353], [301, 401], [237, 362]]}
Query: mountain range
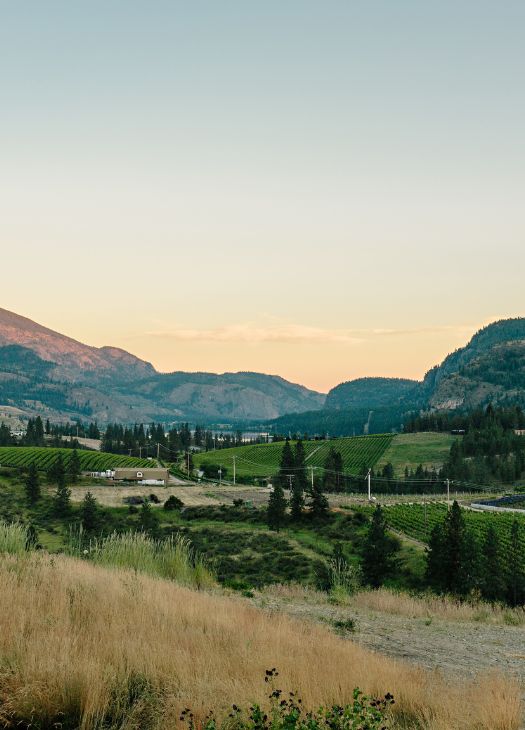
{"points": [[489, 369], [42, 371]]}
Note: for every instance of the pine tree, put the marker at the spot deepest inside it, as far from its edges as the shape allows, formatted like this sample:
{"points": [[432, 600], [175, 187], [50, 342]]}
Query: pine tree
{"points": [[333, 471], [435, 554], [31, 537], [286, 465], [493, 584], [378, 551], [318, 502], [470, 563], [299, 483], [276, 512], [73, 467], [454, 536], [89, 512], [515, 568], [32, 484], [63, 493]]}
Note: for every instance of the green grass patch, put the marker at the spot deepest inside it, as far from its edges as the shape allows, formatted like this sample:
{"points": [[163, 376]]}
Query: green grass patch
{"points": [[412, 449]]}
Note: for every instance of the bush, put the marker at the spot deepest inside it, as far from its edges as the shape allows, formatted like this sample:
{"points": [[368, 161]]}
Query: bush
{"points": [[363, 713], [173, 503]]}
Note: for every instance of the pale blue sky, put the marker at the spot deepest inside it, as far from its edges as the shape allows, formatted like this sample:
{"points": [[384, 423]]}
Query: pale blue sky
{"points": [[270, 186]]}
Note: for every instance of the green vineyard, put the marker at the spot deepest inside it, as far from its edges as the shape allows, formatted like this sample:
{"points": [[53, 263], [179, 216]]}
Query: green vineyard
{"points": [[418, 520], [21, 456], [262, 460]]}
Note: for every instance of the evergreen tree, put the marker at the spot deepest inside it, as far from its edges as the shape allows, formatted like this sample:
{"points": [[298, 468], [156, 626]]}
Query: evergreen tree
{"points": [[470, 564], [318, 502], [454, 536], [515, 567], [73, 467], [493, 584], [276, 512], [286, 466], [333, 471], [63, 493], [31, 537], [299, 483], [89, 512], [32, 484], [378, 552]]}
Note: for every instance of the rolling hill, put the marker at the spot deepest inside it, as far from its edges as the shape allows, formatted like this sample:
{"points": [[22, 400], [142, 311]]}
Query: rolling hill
{"points": [[401, 450]]}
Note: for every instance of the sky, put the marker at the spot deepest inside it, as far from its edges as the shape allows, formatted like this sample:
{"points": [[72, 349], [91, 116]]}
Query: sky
{"points": [[321, 190]]}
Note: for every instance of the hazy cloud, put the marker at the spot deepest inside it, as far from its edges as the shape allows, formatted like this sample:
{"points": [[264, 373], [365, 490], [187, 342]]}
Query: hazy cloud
{"points": [[294, 333]]}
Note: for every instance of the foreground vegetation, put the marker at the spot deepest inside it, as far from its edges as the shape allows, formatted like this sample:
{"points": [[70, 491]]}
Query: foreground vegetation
{"points": [[135, 651]]}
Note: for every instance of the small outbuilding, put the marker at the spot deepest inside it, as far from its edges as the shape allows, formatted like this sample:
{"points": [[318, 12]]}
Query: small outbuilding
{"points": [[142, 476]]}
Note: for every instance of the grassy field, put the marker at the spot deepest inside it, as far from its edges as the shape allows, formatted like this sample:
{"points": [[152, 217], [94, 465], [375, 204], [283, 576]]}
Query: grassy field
{"points": [[411, 449], [92, 647], [262, 460]]}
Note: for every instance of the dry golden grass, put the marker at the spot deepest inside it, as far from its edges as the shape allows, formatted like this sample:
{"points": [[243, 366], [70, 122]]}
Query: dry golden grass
{"points": [[399, 603], [96, 643]]}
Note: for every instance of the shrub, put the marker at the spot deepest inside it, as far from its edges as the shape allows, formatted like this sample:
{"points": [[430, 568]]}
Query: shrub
{"points": [[363, 713], [173, 503]]}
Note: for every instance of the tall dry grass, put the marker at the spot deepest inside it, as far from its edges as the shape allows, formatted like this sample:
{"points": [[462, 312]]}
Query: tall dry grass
{"points": [[400, 603], [92, 648]]}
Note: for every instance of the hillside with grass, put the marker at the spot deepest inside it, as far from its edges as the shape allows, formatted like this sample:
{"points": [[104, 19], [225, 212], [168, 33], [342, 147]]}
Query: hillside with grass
{"points": [[142, 652], [262, 460], [409, 450], [430, 450]]}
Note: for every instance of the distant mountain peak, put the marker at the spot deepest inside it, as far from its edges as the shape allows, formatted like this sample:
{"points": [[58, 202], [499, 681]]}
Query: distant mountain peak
{"points": [[71, 356]]}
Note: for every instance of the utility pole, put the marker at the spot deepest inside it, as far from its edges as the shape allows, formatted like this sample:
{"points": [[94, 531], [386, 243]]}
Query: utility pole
{"points": [[312, 477], [188, 461], [234, 470], [220, 475], [140, 452], [369, 478], [448, 493], [158, 451]]}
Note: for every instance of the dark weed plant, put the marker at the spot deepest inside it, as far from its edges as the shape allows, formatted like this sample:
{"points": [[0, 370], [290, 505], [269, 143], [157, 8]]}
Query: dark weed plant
{"points": [[287, 713]]}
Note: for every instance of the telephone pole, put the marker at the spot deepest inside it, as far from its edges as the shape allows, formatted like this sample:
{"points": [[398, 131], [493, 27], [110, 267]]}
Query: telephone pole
{"points": [[312, 477], [158, 450], [369, 479], [220, 475], [448, 493], [234, 474]]}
